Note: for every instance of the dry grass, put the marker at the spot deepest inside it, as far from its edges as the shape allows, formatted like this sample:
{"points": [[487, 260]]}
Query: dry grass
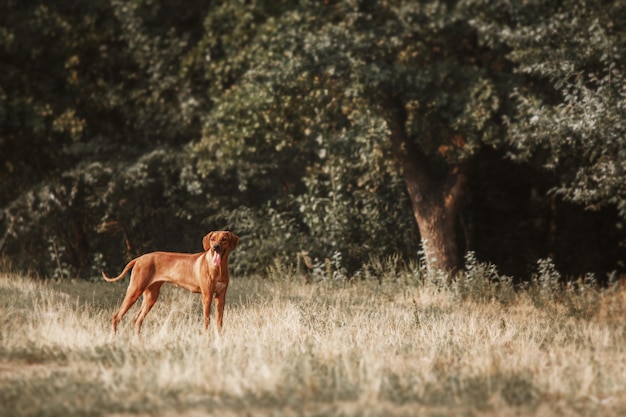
{"points": [[394, 346]]}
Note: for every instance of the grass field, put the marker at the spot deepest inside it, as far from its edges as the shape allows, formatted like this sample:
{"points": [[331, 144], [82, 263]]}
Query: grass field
{"points": [[393, 344]]}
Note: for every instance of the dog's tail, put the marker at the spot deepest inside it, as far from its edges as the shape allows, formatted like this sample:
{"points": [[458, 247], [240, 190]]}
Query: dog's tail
{"points": [[124, 272]]}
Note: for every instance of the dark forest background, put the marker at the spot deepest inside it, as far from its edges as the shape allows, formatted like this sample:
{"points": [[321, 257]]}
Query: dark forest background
{"points": [[327, 134]]}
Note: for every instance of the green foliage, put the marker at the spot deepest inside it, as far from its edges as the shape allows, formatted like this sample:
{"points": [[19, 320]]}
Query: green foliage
{"points": [[129, 126], [571, 109], [94, 109], [353, 203]]}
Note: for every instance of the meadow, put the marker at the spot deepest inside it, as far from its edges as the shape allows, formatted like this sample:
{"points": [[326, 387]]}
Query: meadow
{"points": [[393, 341]]}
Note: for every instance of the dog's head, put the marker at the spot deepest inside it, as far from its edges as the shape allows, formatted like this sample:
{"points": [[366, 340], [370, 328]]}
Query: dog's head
{"points": [[219, 243]]}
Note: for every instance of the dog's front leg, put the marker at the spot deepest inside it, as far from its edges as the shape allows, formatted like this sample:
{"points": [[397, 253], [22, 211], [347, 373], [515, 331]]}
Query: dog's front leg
{"points": [[207, 298], [220, 301]]}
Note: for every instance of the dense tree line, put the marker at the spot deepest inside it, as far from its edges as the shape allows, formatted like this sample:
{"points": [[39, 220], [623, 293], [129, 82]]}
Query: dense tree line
{"points": [[325, 133]]}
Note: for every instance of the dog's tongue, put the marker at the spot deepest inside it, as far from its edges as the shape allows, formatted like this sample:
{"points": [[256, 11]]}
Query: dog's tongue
{"points": [[217, 258]]}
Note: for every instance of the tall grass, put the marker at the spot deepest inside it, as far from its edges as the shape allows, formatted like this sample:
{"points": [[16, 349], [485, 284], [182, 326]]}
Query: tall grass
{"points": [[394, 342]]}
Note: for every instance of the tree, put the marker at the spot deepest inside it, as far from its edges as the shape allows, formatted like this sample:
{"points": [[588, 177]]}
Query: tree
{"points": [[406, 81]]}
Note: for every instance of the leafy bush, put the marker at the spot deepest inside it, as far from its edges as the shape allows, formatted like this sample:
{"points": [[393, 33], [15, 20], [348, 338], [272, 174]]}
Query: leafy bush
{"points": [[100, 215], [482, 283]]}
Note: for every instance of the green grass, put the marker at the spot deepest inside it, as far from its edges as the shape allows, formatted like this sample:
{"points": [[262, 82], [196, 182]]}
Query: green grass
{"points": [[394, 344]]}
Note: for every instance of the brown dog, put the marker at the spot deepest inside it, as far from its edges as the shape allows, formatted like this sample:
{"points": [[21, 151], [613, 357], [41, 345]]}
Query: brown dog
{"points": [[205, 272]]}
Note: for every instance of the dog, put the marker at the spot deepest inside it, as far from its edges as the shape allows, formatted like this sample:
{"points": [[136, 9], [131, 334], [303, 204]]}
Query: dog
{"points": [[205, 273]]}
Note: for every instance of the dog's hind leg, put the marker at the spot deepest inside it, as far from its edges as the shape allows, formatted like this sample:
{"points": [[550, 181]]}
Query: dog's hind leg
{"points": [[132, 295], [150, 296]]}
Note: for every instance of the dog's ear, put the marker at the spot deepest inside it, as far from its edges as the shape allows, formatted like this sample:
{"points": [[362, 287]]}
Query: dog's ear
{"points": [[206, 241], [234, 240]]}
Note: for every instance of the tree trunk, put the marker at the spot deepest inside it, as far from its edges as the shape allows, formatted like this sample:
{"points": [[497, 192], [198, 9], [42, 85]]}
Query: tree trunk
{"points": [[435, 200], [437, 228]]}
